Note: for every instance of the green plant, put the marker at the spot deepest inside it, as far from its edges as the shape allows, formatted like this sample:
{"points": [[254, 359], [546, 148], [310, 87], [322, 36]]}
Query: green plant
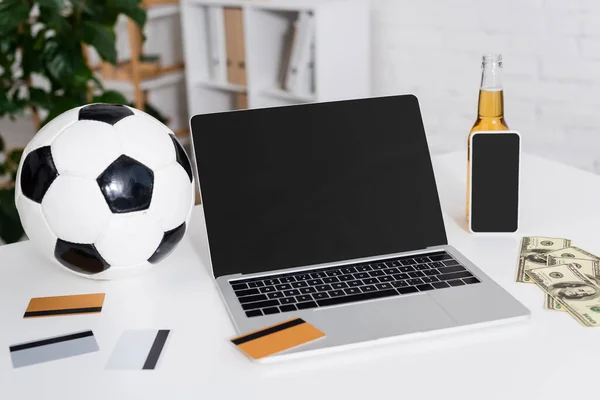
{"points": [[46, 38], [43, 69]]}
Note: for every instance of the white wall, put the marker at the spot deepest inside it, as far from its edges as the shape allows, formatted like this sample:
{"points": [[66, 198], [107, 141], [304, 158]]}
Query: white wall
{"points": [[551, 51], [432, 48]]}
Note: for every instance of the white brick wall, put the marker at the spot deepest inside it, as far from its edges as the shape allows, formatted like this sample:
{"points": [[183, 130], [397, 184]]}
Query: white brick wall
{"points": [[551, 51]]}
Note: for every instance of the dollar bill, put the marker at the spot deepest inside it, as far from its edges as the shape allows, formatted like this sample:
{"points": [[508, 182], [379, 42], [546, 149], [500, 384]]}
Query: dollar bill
{"points": [[573, 252], [573, 290], [533, 253], [587, 267], [550, 304]]}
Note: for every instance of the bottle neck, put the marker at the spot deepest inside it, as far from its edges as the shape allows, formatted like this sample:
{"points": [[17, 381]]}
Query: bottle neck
{"points": [[491, 76], [491, 97]]}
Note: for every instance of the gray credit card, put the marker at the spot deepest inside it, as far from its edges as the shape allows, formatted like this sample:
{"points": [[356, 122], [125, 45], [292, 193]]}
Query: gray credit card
{"points": [[53, 348], [139, 349]]}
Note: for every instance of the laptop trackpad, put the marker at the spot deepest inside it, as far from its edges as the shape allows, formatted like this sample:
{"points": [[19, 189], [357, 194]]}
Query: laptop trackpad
{"points": [[378, 319]]}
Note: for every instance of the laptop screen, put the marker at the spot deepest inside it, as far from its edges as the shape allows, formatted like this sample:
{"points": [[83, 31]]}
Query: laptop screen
{"points": [[300, 185]]}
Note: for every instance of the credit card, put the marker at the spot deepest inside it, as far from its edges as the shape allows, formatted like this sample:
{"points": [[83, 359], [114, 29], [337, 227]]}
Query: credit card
{"points": [[64, 305], [53, 348], [277, 338], [138, 349]]}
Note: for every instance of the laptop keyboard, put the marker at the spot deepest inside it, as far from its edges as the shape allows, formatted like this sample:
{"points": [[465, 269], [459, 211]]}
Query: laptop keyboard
{"points": [[324, 287]]}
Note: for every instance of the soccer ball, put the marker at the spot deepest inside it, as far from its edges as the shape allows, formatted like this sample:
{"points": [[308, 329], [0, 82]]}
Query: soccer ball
{"points": [[105, 191]]}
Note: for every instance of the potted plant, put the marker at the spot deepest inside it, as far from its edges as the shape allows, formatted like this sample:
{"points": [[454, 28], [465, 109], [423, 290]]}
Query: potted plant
{"points": [[44, 71]]}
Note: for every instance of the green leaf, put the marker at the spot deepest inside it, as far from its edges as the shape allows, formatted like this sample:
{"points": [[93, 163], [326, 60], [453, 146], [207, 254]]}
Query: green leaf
{"points": [[5, 45], [39, 98], [9, 105], [30, 60], [123, 4], [81, 78], [62, 58], [101, 38], [1, 144], [57, 61], [81, 5], [100, 12], [111, 97], [8, 49], [12, 13], [14, 157], [138, 15], [11, 229], [57, 23], [51, 5]]}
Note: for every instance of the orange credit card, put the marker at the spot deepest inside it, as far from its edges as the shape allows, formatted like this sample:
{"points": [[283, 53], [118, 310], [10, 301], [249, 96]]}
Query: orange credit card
{"points": [[277, 338], [64, 305]]}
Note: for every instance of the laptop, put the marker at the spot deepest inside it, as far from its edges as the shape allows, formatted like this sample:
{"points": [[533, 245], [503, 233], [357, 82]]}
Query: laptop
{"points": [[329, 212]]}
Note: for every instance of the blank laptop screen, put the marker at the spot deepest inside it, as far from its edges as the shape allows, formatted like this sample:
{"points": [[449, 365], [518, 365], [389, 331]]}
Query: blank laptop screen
{"points": [[301, 185]]}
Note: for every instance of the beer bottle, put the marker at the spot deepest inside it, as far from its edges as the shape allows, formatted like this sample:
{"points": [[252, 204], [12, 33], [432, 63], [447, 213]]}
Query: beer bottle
{"points": [[490, 112]]}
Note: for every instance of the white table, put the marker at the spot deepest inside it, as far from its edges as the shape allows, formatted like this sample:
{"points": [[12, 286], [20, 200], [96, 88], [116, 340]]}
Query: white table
{"points": [[550, 356]]}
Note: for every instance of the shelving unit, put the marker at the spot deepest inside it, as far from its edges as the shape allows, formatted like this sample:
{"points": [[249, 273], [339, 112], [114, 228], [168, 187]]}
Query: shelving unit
{"points": [[340, 56]]}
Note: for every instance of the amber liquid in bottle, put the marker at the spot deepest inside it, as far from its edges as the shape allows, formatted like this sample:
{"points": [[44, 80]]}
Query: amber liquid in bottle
{"points": [[490, 110]]}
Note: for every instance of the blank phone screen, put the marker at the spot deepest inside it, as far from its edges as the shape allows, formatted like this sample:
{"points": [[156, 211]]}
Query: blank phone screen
{"points": [[495, 182]]}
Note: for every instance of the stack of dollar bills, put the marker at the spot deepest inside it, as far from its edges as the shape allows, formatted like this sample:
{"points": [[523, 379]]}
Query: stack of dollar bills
{"points": [[568, 275]]}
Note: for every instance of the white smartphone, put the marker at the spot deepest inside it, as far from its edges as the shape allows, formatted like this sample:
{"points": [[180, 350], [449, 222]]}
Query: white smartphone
{"points": [[494, 184]]}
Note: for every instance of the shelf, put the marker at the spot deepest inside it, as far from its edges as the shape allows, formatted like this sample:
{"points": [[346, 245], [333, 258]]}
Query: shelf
{"points": [[167, 78], [151, 79], [284, 94], [162, 11], [163, 71], [145, 75], [275, 5], [155, 3], [230, 87], [222, 3]]}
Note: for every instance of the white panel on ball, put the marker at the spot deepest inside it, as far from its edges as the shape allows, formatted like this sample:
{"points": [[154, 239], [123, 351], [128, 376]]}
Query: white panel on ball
{"points": [[145, 141], [75, 209], [46, 135], [35, 225], [171, 196], [129, 239], [153, 119], [85, 149]]}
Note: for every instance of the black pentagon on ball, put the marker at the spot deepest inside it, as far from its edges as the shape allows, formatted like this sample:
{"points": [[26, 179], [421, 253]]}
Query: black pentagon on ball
{"points": [[182, 157], [37, 173], [78, 257], [167, 244], [126, 185], [109, 113]]}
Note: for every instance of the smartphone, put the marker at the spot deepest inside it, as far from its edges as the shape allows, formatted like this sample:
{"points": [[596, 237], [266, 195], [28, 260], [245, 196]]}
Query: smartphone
{"points": [[495, 158]]}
